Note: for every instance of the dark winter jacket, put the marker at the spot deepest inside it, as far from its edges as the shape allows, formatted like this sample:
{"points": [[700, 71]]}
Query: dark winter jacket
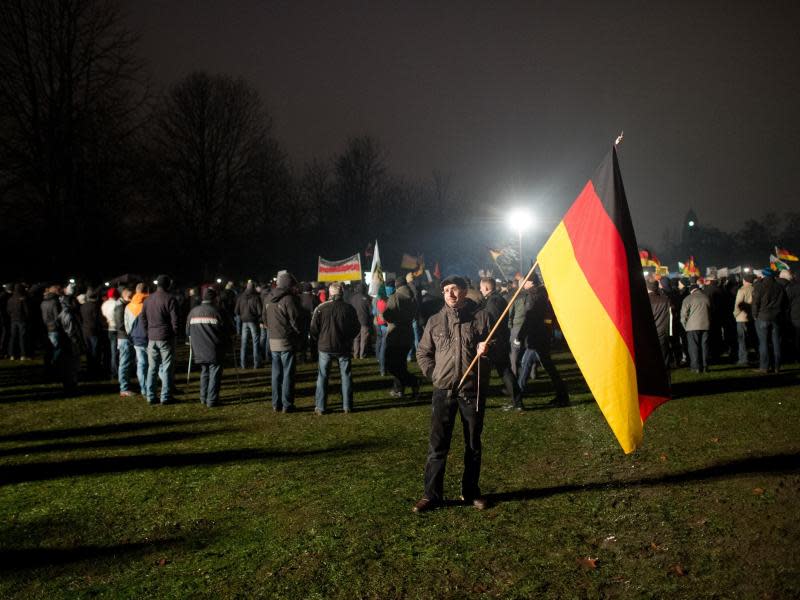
{"points": [[90, 316], [769, 300], [363, 307], [50, 308], [283, 317], [534, 332], [208, 332], [119, 318], [159, 316], [334, 325], [662, 310], [448, 345], [494, 304], [430, 305], [248, 306], [17, 308], [401, 310]]}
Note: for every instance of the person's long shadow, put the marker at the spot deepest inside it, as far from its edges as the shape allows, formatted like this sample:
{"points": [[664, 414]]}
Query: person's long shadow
{"points": [[38, 471], [709, 387], [776, 463], [131, 440], [37, 393], [89, 430]]}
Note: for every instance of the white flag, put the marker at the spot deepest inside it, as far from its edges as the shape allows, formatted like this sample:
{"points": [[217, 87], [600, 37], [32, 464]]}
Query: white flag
{"points": [[375, 273]]}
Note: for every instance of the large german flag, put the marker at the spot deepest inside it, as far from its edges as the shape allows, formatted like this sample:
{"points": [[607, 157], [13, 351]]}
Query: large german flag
{"points": [[591, 267]]}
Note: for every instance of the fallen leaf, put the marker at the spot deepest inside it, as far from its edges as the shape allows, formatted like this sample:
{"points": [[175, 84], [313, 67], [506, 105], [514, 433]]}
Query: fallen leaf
{"points": [[678, 570], [715, 440], [162, 562], [588, 562], [758, 491], [663, 458]]}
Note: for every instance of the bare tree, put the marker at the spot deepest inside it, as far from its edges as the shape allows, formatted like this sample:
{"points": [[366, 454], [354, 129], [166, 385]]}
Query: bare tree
{"points": [[70, 87], [213, 156], [359, 184]]}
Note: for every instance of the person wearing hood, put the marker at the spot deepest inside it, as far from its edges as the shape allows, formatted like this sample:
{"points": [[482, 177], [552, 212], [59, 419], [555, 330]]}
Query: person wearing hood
{"points": [[248, 311], [283, 317], [401, 310], [159, 317], [208, 333], [452, 338], [137, 334]]}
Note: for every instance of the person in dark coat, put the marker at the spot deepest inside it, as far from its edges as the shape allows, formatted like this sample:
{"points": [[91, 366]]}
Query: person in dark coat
{"points": [[208, 333], [18, 315], [662, 315], [793, 297], [92, 330], [536, 338], [283, 317], [495, 305], [248, 311], [363, 306], [308, 303], [334, 326], [401, 310], [769, 302], [159, 318]]}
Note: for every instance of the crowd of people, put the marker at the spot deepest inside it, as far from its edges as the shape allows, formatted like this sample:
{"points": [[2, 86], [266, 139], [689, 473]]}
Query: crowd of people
{"points": [[129, 332]]}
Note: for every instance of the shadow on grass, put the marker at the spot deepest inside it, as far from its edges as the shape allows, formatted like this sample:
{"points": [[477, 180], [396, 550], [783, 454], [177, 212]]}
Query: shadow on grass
{"points": [[38, 471], [13, 559], [710, 387], [132, 440], [776, 463], [110, 428], [56, 392]]}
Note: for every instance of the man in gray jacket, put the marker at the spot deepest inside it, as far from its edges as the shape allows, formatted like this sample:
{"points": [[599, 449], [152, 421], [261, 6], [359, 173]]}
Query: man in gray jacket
{"points": [[696, 320], [451, 340]]}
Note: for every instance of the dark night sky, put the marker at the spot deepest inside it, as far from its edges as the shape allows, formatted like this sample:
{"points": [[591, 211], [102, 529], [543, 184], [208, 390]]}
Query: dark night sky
{"points": [[519, 101]]}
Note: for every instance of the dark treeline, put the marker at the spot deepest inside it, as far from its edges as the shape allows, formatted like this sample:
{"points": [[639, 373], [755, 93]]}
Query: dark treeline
{"points": [[100, 174]]}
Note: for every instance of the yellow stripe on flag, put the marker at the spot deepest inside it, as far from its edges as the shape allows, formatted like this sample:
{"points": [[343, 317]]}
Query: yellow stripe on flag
{"points": [[594, 340]]}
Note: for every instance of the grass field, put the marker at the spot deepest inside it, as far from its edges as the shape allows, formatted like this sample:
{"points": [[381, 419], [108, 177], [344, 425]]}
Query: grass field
{"points": [[105, 496]]}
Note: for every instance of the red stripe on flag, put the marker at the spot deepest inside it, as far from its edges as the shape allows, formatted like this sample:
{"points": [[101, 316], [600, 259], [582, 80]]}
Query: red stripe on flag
{"points": [[600, 252], [648, 404]]}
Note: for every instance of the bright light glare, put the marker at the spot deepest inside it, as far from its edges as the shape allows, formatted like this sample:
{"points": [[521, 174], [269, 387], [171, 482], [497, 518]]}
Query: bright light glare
{"points": [[107, 284], [219, 280], [72, 281], [519, 219], [691, 223], [646, 273], [747, 269]]}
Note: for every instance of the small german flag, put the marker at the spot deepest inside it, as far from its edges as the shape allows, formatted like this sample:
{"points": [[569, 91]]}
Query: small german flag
{"points": [[592, 270]]}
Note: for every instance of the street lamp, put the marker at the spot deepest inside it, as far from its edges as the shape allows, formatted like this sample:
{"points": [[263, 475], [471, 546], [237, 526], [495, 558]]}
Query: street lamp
{"points": [[520, 219]]}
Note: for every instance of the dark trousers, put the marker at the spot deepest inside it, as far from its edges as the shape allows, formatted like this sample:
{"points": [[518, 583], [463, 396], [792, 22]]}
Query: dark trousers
{"points": [[210, 381], [528, 362], [743, 335], [796, 326], [697, 343], [663, 344], [768, 331], [360, 342], [443, 418], [397, 365], [509, 382], [113, 355], [18, 338]]}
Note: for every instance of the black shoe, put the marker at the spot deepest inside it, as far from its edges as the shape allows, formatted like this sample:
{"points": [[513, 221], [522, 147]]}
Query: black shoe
{"points": [[415, 392], [424, 505], [559, 401]]}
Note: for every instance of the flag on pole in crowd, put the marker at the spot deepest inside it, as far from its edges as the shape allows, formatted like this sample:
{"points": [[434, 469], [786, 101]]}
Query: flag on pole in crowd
{"points": [[777, 264], [437, 271], [784, 254], [420, 266], [348, 269], [648, 260], [689, 268], [495, 254], [593, 275], [375, 272], [409, 262]]}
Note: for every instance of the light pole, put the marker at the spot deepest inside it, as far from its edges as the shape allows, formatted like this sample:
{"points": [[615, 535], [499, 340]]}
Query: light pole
{"points": [[519, 219]]}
